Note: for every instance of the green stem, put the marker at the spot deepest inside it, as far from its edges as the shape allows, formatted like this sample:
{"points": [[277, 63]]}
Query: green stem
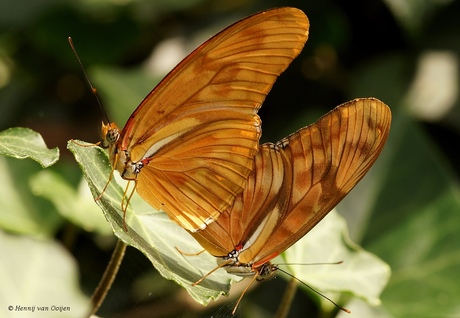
{"points": [[287, 299], [107, 279]]}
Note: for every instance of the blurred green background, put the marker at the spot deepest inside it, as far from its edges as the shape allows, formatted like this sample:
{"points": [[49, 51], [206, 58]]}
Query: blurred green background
{"points": [[404, 52]]}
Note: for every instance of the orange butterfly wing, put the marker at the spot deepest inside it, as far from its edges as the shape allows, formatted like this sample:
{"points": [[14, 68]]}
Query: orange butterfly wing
{"points": [[328, 159], [319, 165], [197, 132], [265, 191]]}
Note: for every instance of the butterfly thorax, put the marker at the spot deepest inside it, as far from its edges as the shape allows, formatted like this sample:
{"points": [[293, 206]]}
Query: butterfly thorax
{"points": [[232, 264], [120, 159], [235, 267]]}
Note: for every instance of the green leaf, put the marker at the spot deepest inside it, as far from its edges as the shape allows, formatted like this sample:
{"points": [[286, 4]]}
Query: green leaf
{"points": [[23, 143], [151, 231], [362, 274], [411, 221], [38, 273], [156, 236], [76, 205], [415, 227], [413, 214], [21, 211]]}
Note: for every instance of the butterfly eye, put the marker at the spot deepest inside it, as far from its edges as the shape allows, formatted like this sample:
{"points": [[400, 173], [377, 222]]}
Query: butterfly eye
{"points": [[266, 271], [110, 135]]}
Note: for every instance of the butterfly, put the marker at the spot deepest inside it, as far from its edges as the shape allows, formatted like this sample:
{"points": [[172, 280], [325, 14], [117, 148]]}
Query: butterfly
{"points": [[295, 183], [190, 145]]}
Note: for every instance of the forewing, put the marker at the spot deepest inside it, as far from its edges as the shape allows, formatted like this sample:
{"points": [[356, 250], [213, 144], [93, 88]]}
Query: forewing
{"points": [[199, 127]]}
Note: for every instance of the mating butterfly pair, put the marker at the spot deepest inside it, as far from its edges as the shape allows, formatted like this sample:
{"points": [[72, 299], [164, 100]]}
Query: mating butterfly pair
{"points": [[192, 146]]}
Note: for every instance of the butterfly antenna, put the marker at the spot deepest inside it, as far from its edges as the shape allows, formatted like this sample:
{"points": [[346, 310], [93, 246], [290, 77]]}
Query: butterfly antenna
{"points": [[335, 263], [91, 87], [316, 291]]}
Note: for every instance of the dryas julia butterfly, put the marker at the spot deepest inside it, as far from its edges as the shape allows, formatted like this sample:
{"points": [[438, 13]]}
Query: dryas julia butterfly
{"points": [[190, 145], [294, 184]]}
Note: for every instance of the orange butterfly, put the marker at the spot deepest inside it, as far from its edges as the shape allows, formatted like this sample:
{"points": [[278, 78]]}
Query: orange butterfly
{"points": [[295, 183], [190, 145]]}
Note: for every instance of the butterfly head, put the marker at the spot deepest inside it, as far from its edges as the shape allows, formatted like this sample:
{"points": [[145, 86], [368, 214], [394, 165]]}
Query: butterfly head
{"points": [[110, 134], [266, 271]]}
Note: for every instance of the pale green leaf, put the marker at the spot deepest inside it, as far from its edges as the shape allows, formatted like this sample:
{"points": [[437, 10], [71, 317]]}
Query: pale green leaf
{"points": [[362, 274], [24, 143], [151, 231], [76, 205], [20, 212], [38, 273]]}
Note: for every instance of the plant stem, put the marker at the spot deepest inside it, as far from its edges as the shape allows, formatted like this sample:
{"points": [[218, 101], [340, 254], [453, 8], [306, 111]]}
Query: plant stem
{"points": [[287, 299], [107, 279]]}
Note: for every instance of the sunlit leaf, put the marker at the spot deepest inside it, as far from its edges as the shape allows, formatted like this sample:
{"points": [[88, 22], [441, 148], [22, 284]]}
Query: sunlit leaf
{"points": [[39, 274], [20, 211], [362, 274], [23, 143], [151, 231], [76, 205]]}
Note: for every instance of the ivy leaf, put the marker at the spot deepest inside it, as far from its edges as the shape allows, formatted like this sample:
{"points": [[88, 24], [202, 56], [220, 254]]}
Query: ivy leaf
{"points": [[76, 205], [361, 273], [39, 273], [150, 231], [24, 143]]}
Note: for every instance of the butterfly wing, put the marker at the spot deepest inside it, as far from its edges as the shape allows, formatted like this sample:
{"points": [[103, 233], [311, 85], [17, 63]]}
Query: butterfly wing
{"points": [[198, 130], [265, 191], [298, 180], [327, 159]]}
